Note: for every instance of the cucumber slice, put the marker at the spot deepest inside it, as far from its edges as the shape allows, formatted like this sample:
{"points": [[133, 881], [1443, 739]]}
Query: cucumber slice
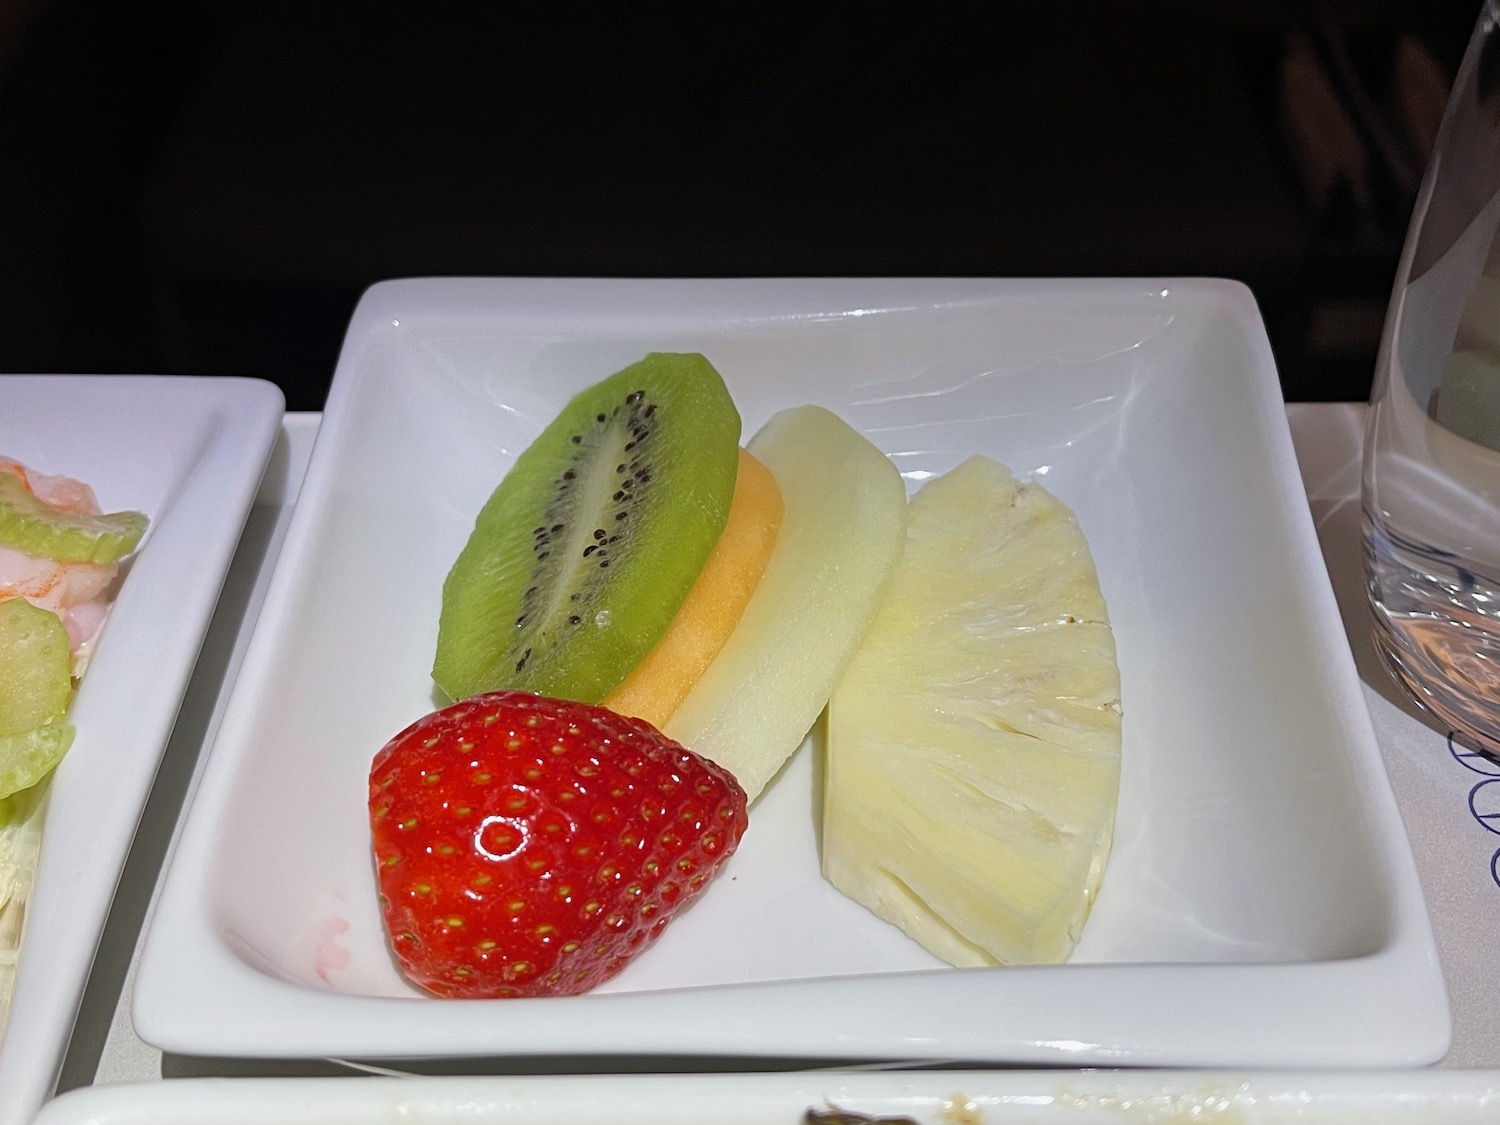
{"points": [[35, 669], [28, 756], [28, 524]]}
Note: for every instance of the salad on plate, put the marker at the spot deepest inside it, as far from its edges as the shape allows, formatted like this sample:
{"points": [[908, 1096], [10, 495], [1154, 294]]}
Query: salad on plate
{"points": [[60, 557]]}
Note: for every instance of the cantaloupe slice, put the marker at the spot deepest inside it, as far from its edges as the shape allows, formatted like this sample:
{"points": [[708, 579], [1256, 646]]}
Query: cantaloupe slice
{"points": [[840, 538], [715, 604]]}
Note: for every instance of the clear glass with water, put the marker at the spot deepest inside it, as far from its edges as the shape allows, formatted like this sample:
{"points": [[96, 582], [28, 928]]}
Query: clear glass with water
{"points": [[1432, 448]]}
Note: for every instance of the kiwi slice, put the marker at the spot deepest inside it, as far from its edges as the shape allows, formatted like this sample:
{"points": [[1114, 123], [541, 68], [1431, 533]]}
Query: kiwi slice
{"points": [[34, 527], [584, 553], [35, 668]]}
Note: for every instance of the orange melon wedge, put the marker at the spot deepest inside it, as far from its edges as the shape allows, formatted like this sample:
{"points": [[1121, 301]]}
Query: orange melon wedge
{"points": [[714, 605]]}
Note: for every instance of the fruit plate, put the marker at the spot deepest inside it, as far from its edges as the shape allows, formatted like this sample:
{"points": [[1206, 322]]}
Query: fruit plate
{"points": [[189, 452], [1261, 907], [924, 1098]]}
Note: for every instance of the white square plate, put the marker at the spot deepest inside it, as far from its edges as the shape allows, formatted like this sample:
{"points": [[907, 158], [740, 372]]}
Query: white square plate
{"points": [[1261, 906], [189, 453], [1056, 1097]]}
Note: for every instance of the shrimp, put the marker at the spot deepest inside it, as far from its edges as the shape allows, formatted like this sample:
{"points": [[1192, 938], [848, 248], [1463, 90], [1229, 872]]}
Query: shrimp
{"points": [[76, 592], [63, 493]]}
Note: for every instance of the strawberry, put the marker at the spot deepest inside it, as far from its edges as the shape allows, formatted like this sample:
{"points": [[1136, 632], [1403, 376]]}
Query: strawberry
{"points": [[528, 846]]}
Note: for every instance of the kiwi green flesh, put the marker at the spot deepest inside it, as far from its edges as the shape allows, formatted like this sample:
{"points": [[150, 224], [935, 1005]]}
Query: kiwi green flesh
{"points": [[586, 550], [36, 680], [34, 527]]}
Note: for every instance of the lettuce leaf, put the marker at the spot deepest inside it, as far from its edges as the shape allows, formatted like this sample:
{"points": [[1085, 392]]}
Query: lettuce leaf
{"points": [[21, 816]]}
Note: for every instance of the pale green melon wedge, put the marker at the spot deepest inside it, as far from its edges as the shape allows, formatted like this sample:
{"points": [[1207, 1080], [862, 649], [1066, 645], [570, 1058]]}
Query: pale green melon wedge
{"points": [[840, 537], [973, 752]]}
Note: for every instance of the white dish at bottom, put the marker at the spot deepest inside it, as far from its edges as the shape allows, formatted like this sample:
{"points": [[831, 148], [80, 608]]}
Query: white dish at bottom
{"points": [[927, 1097], [1260, 908]]}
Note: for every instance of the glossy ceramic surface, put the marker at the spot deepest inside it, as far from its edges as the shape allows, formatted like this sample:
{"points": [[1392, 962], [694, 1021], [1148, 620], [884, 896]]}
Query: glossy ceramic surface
{"points": [[188, 452], [933, 1098], [1260, 907]]}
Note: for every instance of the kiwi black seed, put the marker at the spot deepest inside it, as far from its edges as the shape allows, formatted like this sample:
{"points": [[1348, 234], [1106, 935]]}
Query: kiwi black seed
{"points": [[586, 550]]}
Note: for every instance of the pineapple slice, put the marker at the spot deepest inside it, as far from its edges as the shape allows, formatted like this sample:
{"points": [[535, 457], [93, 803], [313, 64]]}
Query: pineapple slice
{"points": [[973, 755]]}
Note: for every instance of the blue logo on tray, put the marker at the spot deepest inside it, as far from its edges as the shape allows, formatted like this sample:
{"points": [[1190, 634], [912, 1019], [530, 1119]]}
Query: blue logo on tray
{"points": [[1484, 798]]}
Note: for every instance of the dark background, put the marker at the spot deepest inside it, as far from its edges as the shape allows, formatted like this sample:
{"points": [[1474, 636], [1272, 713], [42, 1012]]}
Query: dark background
{"points": [[207, 187]]}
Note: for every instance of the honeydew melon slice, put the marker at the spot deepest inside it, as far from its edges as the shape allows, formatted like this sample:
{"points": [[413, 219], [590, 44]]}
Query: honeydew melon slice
{"points": [[973, 752], [840, 538], [714, 605]]}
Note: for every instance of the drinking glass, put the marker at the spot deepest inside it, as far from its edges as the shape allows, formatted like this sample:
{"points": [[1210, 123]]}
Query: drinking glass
{"points": [[1431, 488]]}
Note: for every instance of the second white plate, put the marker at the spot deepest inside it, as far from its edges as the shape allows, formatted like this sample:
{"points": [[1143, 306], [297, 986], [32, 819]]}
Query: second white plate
{"points": [[189, 453], [1260, 908]]}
